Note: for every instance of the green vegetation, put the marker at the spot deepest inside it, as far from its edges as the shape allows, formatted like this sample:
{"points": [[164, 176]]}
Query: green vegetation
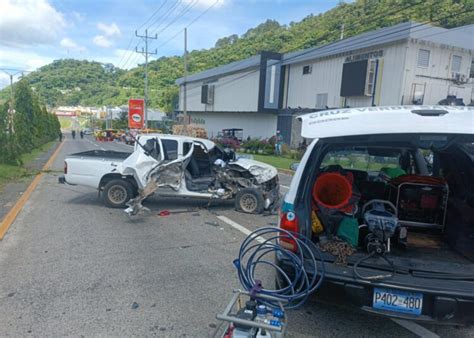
{"points": [[31, 127], [279, 162], [14, 172], [72, 82]]}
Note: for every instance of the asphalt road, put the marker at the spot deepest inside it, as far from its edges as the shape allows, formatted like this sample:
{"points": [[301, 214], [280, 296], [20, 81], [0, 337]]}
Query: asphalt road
{"points": [[70, 266]]}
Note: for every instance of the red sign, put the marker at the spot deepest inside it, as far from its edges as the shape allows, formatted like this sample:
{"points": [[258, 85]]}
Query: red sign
{"points": [[136, 113]]}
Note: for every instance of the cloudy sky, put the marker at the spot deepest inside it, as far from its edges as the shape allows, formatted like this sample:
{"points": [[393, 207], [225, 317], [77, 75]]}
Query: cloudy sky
{"points": [[35, 32]]}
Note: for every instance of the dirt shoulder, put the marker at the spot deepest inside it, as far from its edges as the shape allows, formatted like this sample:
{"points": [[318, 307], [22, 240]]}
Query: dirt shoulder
{"points": [[11, 190]]}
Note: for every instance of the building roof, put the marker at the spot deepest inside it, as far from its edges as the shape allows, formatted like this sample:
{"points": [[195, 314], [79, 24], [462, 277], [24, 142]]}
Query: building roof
{"points": [[457, 37], [461, 37], [233, 67]]}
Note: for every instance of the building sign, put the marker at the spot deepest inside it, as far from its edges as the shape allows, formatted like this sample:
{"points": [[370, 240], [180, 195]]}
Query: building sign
{"points": [[365, 56], [136, 113], [198, 120], [65, 113]]}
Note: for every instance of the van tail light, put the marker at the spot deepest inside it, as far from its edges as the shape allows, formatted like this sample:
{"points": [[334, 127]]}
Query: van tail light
{"points": [[65, 167], [289, 222]]}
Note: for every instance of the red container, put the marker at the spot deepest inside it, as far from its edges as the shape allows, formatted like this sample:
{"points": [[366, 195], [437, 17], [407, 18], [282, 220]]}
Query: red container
{"points": [[333, 191]]}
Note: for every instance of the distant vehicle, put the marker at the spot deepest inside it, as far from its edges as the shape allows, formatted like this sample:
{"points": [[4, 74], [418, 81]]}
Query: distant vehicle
{"points": [[87, 131], [412, 243], [174, 165], [232, 133]]}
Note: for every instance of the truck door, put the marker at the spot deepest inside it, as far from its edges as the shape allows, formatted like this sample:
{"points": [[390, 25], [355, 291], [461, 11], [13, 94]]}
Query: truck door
{"points": [[147, 155]]}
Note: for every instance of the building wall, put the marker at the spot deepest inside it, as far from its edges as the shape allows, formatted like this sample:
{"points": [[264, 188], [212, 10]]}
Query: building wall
{"points": [[435, 80], [326, 78], [260, 125], [236, 92]]}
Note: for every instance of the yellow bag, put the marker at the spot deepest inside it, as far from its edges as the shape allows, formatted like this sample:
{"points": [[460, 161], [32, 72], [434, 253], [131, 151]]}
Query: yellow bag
{"points": [[316, 224]]}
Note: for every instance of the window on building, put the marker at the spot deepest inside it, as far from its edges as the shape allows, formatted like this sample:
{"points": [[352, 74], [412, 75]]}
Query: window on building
{"points": [[170, 149], [423, 58], [456, 64], [307, 69], [207, 94], [370, 81], [204, 91], [321, 100]]}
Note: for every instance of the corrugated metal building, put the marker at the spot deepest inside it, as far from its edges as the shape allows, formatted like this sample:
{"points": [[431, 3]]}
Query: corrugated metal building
{"points": [[409, 63]]}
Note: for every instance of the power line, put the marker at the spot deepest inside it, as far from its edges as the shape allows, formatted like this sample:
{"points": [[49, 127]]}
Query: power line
{"points": [[131, 51], [180, 15], [192, 21], [154, 13], [165, 16], [133, 57]]}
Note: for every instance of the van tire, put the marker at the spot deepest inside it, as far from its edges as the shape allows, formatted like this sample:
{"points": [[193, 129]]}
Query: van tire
{"points": [[117, 193], [249, 201]]}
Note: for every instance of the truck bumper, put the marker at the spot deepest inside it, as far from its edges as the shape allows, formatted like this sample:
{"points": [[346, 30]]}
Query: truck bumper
{"points": [[443, 306]]}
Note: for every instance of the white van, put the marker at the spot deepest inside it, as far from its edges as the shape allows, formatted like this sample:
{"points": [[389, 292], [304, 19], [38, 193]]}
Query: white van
{"points": [[422, 270]]}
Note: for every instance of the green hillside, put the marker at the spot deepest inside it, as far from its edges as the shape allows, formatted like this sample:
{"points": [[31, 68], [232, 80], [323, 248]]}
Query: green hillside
{"points": [[72, 82]]}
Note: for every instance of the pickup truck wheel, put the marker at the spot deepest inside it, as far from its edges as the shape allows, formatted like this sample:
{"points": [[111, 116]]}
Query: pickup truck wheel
{"points": [[117, 193], [249, 201]]}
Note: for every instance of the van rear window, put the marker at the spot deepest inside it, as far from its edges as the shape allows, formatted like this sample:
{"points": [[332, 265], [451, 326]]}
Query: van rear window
{"points": [[364, 159]]}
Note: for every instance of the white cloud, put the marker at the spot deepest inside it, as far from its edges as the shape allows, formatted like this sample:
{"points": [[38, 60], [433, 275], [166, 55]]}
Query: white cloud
{"points": [[203, 4], [77, 16], [102, 41], [109, 30], [70, 45], [23, 59], [29, 22]]}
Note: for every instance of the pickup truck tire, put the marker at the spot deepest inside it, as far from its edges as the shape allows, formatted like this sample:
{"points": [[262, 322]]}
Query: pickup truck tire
{"points": [[117, 193], [250, 201]]}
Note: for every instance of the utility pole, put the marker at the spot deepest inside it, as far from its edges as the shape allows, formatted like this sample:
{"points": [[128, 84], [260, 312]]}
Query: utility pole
{"points": [[11, 73], [11, 129], [146, 53], [342, 32], [185, 99]]}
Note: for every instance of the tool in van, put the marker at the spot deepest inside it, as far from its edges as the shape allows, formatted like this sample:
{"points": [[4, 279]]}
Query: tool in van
{"points": [[382, 224]]}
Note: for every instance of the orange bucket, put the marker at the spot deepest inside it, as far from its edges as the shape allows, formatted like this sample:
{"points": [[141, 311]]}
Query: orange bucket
{"points": [[332, 191]]}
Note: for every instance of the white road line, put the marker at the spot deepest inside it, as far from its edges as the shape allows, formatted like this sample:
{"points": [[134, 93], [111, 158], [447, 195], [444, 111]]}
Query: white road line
{"points": [[239, 227], [415, 328], [284, 186]]}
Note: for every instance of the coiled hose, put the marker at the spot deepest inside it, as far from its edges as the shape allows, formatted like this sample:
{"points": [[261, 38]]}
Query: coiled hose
{"points": [[257, 250]]}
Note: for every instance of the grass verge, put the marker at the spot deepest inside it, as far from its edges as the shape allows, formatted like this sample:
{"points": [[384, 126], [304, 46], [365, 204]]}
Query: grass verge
{"points": [[11, 172], [276, 161]]}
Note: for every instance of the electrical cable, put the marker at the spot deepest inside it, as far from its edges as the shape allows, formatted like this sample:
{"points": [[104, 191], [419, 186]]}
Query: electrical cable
{"points": [[189, 24], [183, 12], [128, 50], [307, 264], [163, 19], [376, 277]]}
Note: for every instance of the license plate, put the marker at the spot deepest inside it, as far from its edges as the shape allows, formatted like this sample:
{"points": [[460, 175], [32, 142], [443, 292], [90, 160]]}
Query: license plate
{"points": [[399, 301]]}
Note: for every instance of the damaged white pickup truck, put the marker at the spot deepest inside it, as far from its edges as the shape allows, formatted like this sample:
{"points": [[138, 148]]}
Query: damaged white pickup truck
{"points": [[173, 165]]}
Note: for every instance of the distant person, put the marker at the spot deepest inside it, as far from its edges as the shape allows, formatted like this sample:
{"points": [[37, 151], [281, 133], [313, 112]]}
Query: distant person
{"points": [[73, 134], [278, 143], [82, 134], [60, 135]]}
